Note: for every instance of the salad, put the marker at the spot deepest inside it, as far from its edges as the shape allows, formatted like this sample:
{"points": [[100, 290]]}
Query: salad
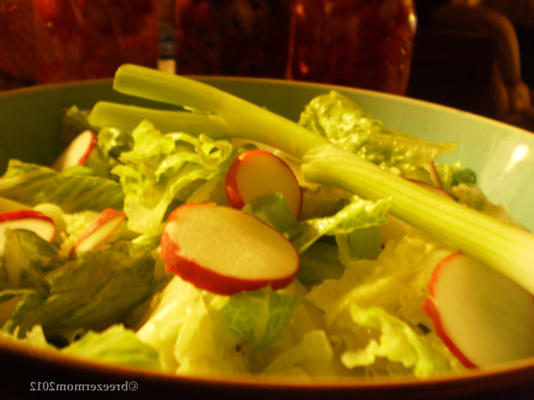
{"points": [[215, 238]]}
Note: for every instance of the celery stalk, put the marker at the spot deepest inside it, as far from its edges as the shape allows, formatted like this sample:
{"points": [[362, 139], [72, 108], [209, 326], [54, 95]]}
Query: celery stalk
{"points": [[127, 117], [247, 120], [506, 248]]}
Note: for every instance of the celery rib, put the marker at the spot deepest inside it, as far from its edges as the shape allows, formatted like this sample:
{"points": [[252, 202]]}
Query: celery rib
{"points": [[506, 248]]}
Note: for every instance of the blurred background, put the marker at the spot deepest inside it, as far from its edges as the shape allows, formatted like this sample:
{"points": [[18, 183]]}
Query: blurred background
{"points": [[475, 55]]}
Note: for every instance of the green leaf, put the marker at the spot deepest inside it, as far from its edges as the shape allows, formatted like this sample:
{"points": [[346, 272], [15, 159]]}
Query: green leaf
{"points": [[164, 169], [396, 341], [259, 316], [272, 209], [346, 124], [358, 214], [32, 184], [87, 293], [319, 262], [27, 259], [115, 345]]}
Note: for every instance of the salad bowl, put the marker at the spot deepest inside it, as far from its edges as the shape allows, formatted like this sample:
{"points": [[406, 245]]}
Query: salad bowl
{"points": [[501, 155]]}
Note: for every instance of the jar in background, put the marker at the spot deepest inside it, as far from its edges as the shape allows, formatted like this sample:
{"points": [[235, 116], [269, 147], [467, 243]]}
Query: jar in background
{"points": [[363, 43], [81, 39], [17, 67], [232, 37]]}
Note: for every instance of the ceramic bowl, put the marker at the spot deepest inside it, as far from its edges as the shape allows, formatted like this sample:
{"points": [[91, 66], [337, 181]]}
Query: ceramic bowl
{"points": [[502, 156]]}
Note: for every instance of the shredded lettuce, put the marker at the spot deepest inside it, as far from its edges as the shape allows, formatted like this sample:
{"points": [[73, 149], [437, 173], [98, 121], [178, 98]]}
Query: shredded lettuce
{"points": [[164, 169]]}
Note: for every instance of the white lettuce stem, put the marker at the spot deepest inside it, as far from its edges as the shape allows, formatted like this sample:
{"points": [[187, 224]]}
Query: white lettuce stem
{"points": [[506, 248]]}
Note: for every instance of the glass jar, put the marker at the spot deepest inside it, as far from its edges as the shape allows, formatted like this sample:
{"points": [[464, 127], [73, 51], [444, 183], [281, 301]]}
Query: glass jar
{"points": [[81, 39], [232, 37], [363, 43]]}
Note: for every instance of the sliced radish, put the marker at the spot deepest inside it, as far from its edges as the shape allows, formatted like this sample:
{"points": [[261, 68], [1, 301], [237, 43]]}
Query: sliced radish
{"points": [[225, 250], [77, 152], [99, 231], [481, 315], [28, 219], [437, 190], [434, 176], [257, 172]]}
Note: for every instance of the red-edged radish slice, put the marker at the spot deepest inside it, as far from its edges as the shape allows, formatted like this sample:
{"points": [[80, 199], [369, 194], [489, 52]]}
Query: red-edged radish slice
{"points": [[77, 152], [225, 250], [28, 219], [482, 316], [437, 190], [434, 176], [103, 226], [258, 172]]}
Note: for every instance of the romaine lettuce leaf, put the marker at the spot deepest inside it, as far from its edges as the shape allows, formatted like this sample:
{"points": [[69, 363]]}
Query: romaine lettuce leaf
{"points": [[313, 355], [32, 184], [359, 213], [258, 316], [161, 169], [73, 122], [394, 287], [115, 345], [272, 209], [320, 261], [166, 319], [88, 293], [395, 341], [26, 260], [346, 124]]}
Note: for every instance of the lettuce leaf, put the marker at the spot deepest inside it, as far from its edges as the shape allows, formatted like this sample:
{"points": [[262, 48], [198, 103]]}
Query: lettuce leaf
{"points": [[32, 184], [88, 293], [396, 341], [346, 124], [359, 213], [115, 345], [393, 287], [272, 209], [162, 169], [319, 262], [259, 316], [186, 330], [313, 355], [27, 259]]}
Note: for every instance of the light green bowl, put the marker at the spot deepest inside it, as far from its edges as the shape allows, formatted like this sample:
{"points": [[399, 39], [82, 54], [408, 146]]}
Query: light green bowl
{"points": [[502, 156]]}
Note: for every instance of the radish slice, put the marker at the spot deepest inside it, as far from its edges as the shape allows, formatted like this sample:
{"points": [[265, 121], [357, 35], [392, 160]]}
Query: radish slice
{"points": [[481, 315], [28, 219], [258, 172], [77, 152], [99, 231], [225, 250]]}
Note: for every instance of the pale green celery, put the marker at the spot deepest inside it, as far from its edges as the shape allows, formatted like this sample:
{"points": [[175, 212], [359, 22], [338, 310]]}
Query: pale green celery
{"points": [[127, 117], [506, 248], [247, 120]]}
